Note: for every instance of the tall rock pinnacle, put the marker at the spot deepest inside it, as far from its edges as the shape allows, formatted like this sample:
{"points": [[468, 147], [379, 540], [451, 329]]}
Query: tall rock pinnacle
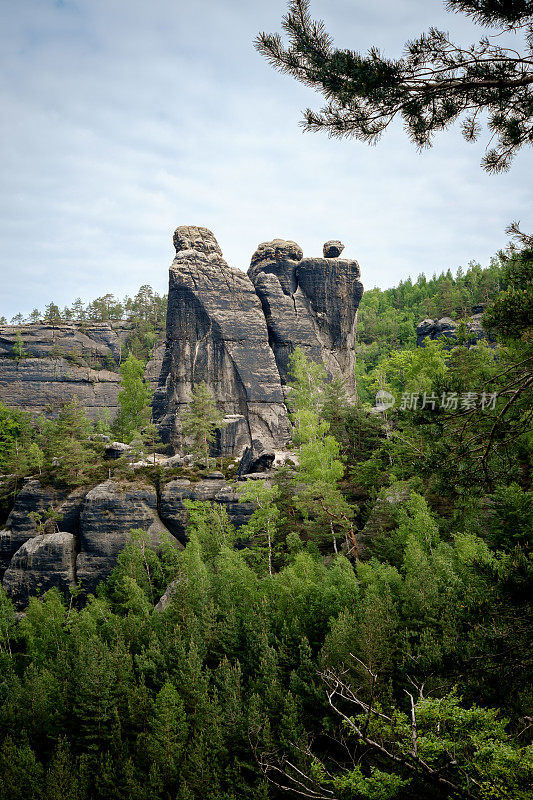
{"points": [[309, 303], [216, 332]]}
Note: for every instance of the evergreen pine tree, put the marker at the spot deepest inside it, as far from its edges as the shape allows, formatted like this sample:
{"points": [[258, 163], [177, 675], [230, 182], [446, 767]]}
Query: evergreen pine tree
{"points": [[201, 420]]}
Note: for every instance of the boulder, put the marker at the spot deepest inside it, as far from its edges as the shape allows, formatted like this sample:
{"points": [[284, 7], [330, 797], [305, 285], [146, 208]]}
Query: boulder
{"points": [[41, 563], [110, 511], [117, 450], [332, 249], [256, 458], [173, 462], [216, 333]]}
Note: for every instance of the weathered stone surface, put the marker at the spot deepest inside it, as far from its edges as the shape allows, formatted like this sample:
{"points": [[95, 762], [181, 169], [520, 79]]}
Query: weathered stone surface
{"points": [[175, 515], [90, 341], [234, 435], [110, 511], [309, 303], [333, 248], [70, 510], [256, 458], [64, 362], [33, 384], [216, 333], [40, 564], [32, 498]]}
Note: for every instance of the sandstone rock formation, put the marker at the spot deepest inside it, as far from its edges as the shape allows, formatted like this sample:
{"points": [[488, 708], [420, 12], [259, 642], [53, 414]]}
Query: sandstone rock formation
{"points": [[95, 526], [256, 458], [66, 361], [236, 332], [20, 526], [445, 326], [41, 563], [216, 333], [216, 490], [110, 511], [309, 303]]}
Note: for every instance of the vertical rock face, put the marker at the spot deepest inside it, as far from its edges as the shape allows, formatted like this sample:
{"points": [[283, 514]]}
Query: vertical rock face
{"points": [[216, 333], [41, 563], [309, 303], [237, 332], [110, 512]]}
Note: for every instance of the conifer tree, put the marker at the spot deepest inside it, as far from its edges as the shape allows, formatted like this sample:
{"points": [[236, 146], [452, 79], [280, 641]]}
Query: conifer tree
{"points": [[201, 420], [18, 347], [434, 84], [262, 526]]}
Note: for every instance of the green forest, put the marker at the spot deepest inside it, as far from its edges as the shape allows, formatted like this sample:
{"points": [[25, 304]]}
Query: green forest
{"points": [[367, 634]]}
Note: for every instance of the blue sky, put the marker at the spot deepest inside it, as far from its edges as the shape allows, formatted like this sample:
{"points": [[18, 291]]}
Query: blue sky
{"points": [[122, 119]]}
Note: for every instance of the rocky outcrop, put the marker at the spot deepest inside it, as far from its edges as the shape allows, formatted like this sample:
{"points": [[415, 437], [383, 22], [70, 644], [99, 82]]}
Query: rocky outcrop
{"points": [[95, 526], [213, 489], [41, 563], [309, 303], [256, 458], [21, 525], [447, 327], [65, 362], [110, 511], [216, 333], [236, 333]]}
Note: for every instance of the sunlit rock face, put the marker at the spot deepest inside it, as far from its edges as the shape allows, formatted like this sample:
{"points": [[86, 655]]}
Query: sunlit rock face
{"points": [[216, 332], [309, 303]]}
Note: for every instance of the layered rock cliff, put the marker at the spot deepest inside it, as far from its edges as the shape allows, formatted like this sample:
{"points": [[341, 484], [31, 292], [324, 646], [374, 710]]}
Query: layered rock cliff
{"points": [[66, 361]]}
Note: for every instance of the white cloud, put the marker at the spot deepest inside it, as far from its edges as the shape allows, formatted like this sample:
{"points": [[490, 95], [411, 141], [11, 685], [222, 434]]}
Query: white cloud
{"points": [[124, 118]]}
